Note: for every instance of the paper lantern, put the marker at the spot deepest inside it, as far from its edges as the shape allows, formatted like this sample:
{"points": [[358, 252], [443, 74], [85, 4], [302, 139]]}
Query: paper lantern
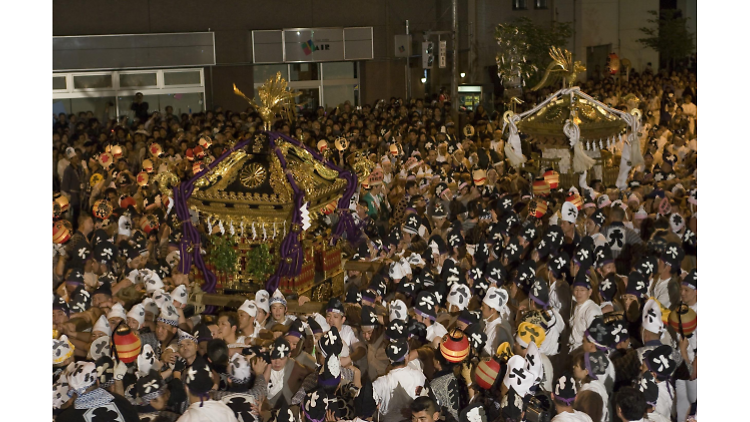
{"points": [[342, 143], [553, 178], [126, 201], [116, 151], [62, 200], [480, 177], [486, 373], [127, 344], [102, 209], [541, 187], [205, 142], [155, 150], [142, 178], [60, 233], [148, 166], [106, 160], [684, 316], [455, 346]]}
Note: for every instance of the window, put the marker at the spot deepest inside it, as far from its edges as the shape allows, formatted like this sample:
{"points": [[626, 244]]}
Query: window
{"points": [[112, 93], [303, 72], [137, 80], [92, 81], [519, 4], [262, 73], [102, 107], [182, 78], [339, 70], [59, 82], [540, 4]]}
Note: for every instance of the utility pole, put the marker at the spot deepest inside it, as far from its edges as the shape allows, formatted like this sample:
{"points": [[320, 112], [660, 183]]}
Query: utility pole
{"points": [[408, 74], [454, 80]]}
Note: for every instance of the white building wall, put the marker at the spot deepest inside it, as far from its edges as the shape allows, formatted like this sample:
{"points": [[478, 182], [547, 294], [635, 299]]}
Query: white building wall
{"points": [[633, 16], [615, 22]]}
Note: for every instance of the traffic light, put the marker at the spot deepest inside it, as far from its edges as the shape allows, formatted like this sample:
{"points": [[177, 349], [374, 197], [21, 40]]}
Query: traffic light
{"points": [[428, 54]]}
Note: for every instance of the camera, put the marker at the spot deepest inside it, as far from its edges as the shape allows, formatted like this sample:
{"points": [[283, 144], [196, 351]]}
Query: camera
{"points": [[538, 409], [255, 351]]}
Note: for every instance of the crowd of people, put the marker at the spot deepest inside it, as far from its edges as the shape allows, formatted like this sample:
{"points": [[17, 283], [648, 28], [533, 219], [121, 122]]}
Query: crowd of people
{"points": [[501, 296]]}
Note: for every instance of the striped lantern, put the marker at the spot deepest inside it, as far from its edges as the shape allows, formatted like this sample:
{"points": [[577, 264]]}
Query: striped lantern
{"points": [[60, 232], [486, 373], [553, 178], [127, 344], [198, 167], [148, 166], [480, 177], [686, 316], [329, 208], [537, 208], [575, 199], [541, 187], [455, 346], [205, 142], [62, 201]]}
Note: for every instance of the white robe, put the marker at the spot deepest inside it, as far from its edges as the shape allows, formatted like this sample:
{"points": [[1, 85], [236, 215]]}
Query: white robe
{"points": [[580, 321], [550, 345], [493, 340], [435, 330], [397, 389], [661, 292], [212, 411], [598, 387], [664, 404]]}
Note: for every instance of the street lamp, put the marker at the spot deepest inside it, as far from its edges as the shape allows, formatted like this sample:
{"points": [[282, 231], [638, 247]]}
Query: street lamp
{"points": [[424, 80]]}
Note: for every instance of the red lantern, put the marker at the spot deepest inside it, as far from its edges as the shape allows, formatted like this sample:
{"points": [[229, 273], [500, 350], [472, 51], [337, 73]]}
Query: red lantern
{"points": [[60, 233], [541, 187], [127, 344], [486, 373], [126, 201], [455, 346], [684, 316], [553, 178]]}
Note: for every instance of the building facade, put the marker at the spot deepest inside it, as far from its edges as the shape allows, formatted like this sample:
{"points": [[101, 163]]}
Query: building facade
{"points": [[601, 26]]}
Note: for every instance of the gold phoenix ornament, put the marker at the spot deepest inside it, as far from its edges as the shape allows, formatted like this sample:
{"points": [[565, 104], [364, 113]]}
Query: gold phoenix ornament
{"points": [[562, 67], [275, 98]]}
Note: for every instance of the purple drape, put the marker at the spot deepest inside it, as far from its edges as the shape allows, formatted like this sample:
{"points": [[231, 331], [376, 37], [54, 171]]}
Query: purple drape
{"points": [[290, 251]]}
